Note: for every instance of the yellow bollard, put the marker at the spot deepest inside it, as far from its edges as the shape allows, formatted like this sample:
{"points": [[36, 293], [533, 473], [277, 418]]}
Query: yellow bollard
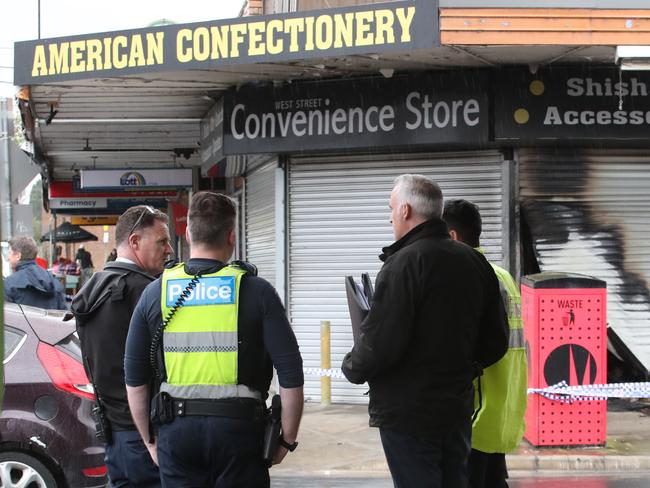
{"points": [[325, 363]]}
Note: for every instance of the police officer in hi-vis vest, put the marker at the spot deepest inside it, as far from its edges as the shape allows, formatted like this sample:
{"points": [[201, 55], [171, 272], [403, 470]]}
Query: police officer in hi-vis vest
{"points": [[499, 423], [215, 331]]}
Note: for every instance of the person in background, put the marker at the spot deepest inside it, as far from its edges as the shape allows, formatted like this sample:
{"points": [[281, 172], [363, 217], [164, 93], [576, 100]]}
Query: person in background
{"points": [[63, 265], [41, 262], [435, 321], [112, 256], [499, 423], [30, 284], [85, 262], [103, 309]]}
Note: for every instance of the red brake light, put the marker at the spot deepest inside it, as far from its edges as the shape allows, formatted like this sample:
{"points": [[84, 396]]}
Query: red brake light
{"points": [[95, 472], [66, 373]]}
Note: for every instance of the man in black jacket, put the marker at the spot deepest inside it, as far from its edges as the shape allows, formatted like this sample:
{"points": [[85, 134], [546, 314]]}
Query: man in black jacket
{"points": [[435, 321], [103, 309]]}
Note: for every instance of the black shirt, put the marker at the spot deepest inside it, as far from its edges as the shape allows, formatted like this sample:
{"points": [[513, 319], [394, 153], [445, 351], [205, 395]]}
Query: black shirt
{"points": [[103, 309]]}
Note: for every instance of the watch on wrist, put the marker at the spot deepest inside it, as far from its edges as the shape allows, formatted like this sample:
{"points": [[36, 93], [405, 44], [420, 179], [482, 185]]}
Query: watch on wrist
{"points": [[286, 445]]}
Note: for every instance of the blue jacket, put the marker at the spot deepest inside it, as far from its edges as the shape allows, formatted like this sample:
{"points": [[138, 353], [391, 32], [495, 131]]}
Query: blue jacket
{"points": [[32, 285]]}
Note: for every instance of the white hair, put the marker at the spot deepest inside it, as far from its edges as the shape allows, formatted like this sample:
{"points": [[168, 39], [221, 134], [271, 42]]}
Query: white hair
{"points": [[422, 194]]}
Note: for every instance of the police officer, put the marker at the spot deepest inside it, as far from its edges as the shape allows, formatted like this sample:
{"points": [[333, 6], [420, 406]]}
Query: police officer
{"points": [[103, 309], [223, 329], [499, 424]]}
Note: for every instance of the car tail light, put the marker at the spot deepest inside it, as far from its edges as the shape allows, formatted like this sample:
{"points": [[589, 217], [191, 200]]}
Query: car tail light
{"points": [[66, 372], [97, 472]]}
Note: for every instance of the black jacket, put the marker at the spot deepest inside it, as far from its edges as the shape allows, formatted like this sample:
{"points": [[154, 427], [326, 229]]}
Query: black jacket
{"points": [[32, 285], [103, 309], [436, 318]]}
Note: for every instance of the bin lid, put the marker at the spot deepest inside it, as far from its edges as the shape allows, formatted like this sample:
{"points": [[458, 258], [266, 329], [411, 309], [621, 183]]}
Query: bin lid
{"points": [[554, 279]]}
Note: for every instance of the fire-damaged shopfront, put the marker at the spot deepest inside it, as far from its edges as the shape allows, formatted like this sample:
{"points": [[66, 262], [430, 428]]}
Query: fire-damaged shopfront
{"points": [[547, 156], [308, 126]]}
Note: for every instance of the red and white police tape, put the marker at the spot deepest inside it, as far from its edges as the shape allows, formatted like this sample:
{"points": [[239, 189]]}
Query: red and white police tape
{"points": [[560, 392]]}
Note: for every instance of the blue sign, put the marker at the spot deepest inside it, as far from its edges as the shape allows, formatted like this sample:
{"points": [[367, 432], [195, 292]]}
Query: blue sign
{"points": [[209, 291]]}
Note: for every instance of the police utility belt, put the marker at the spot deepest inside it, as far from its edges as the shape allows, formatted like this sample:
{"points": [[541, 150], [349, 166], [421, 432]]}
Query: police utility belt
{"points": [[165, 409]]}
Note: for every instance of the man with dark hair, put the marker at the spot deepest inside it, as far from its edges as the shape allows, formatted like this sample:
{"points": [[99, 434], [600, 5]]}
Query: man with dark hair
{"points": [[435, 321], [103, 309], [498, 426], [223, 329], [30, 284]]}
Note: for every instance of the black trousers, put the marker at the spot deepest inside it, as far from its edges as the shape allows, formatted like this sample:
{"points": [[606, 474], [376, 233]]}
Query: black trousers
{"points": [[434, 462], [487, 470], [129, 463], [212, 452]]}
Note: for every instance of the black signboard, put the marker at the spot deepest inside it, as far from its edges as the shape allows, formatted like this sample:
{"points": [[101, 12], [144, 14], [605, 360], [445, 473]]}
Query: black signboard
{"points": [[572, 104], [212, 136], [436, 108], [393, 26]]}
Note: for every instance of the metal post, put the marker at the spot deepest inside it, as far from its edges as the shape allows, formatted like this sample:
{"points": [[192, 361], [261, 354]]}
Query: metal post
{"points": [[52, 240], [2, 294], [325, 363], [5, 168]]}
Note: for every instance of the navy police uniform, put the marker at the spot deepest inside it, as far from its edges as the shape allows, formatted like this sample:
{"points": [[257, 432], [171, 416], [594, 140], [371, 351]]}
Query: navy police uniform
{"points": [[218, 354]]}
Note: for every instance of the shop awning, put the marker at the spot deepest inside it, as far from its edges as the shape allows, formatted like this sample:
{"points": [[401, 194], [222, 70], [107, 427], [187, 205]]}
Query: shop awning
{"points": [[136, 98]]}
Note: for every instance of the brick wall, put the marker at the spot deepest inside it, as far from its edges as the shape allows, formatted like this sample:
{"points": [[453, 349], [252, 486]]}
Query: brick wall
{"points": [[253, 7], [97, 249]]}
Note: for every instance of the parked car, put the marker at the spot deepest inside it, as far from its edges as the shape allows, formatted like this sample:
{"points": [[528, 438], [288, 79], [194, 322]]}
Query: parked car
{"points": [[47, 434]]}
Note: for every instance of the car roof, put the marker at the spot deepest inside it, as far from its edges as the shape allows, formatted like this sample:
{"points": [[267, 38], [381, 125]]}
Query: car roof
{"points": [[48, 325]]}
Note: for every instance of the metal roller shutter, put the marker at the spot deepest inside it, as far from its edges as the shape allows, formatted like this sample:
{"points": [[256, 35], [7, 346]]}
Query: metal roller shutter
{"points": [[338, 222], [589, 212], [260, 220]]}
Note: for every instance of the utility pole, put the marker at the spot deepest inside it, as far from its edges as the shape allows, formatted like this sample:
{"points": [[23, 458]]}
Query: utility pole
{"points": [[5, 168]]}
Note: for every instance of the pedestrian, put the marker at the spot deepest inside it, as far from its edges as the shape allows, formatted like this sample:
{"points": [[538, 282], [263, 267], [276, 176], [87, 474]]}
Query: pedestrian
{"points": [[112, 256], [103, 309], [499, 424], [435, 321], [30, 284], [223, 329], [63, 266], [85, 262]]}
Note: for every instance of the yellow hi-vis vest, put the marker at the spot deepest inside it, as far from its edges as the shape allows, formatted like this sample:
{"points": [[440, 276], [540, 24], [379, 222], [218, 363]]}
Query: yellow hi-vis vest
{"points": [[200, 343], [499, 425]]}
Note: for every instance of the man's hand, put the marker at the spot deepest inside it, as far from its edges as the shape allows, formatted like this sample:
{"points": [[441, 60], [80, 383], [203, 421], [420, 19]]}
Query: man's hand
{"points": [[153, 450], [292, 404], [138, 397], [280, 453]]}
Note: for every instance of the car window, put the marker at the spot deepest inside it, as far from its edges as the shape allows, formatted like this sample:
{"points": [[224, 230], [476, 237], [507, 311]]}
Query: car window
{"points": [[72, 346], [14, 338]]}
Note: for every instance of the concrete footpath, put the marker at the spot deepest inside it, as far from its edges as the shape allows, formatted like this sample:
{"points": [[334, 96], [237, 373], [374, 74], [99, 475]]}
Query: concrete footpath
{"points": [[336, 441]]}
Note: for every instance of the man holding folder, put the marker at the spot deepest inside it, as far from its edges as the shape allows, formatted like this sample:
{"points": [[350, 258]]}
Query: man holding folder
{"points": [[435, 321]]}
